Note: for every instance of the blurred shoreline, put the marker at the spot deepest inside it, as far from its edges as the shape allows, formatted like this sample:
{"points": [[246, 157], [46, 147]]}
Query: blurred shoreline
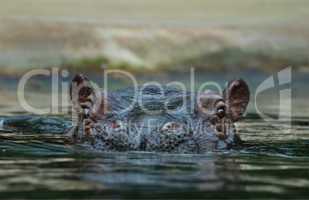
{"points": [[154, 36], [264, 43]]}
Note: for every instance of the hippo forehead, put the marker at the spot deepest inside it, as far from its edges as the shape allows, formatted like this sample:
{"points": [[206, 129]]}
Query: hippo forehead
{"points": [[210, 95]]}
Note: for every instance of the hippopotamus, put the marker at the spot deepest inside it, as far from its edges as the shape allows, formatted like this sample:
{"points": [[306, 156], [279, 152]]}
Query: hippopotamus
{"points": [[157, 119]]}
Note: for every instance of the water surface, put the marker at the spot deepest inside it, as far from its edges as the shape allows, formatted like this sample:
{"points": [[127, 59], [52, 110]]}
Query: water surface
{"points": [[274, 163], [35, 162]]}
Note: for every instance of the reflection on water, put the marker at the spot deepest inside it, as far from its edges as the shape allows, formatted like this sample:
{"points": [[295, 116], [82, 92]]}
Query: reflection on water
{"points": [[273, 164]]}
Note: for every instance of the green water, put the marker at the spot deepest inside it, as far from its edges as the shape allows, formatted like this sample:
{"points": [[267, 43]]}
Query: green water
{"points": [[274, 163]]}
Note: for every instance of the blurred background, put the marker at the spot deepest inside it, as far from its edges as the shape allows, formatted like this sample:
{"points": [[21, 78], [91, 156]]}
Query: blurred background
{"points": [[159, 40], [154, 35]]}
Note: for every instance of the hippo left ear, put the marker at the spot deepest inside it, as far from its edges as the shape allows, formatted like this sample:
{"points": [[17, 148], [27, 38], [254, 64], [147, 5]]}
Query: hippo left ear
{"points": [[236, 97]]}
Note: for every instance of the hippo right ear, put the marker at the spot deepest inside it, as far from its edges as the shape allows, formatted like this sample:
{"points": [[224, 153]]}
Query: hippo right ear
{"points": [[236, 97]]}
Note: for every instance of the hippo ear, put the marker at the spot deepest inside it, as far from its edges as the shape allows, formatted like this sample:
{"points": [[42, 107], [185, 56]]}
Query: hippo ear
{"points": [[80, 93], [87, 98], [236, 97]]}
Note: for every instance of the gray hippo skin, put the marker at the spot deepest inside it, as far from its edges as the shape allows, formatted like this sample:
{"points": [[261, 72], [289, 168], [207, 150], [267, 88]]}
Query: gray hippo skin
{"points": [[157, 119]]}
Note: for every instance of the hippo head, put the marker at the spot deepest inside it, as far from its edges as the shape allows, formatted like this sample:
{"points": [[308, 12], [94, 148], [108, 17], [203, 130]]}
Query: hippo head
{"points": [[217, 112], [223, 110]]}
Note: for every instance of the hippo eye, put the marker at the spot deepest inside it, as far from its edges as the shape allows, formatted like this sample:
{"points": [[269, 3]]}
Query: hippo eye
{"points": [[220, 111], [169, 126]]}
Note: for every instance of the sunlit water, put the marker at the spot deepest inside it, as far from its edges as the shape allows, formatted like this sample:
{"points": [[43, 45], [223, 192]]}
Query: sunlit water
{"points": [[274, 163]]}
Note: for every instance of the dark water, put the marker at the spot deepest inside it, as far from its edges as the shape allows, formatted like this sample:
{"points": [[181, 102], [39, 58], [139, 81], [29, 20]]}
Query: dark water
{"points": [[274, 163]]}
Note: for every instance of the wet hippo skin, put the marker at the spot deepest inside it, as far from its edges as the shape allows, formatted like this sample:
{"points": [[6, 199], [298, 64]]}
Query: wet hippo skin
{"points": [[155, 119]]}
